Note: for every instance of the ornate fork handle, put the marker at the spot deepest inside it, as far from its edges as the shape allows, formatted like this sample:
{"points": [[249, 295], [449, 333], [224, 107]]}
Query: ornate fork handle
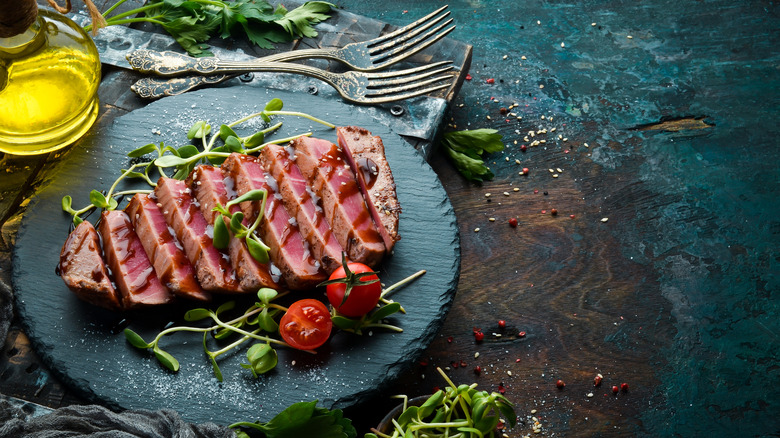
{"points": [[173, 64], [351, 83]]}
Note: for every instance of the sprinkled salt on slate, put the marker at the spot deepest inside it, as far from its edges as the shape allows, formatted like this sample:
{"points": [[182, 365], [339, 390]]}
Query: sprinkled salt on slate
{"points": [[84, 345]]}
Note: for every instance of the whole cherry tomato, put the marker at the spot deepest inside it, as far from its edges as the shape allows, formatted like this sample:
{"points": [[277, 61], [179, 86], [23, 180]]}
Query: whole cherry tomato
{"points": [[306, 325], [361, 285]]}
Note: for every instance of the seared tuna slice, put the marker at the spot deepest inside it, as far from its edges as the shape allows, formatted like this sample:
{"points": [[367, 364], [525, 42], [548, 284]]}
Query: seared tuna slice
{"points": [[209, 188], [131, 269], [165, 252], [212, 268], [289, 251], [83, 270], [326, 168], [366, 155], [298, 201]]}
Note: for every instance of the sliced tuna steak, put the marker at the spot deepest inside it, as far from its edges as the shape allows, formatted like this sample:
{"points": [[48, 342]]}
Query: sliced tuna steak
{"points": [[212, 268], [326, 168], [300, 203], [132, 272], [83, 270], [366, 156], [209, 188], [163, 249], [289, 251]]}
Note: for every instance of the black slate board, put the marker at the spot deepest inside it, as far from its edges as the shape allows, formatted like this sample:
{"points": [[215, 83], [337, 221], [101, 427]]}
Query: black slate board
{"points": [[83, 345]]}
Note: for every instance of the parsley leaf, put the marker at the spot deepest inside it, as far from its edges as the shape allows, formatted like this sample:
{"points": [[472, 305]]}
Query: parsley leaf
{"points": [[465, 149], [303, 419], [299, 21], [193, 22]]}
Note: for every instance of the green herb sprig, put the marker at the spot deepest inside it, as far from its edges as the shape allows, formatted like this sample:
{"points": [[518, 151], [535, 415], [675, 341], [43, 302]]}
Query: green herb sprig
{"points": [[257, 248], [258, 318], [178, 162], [193, 22], [465, 149], [455, 411], [303, 419]]}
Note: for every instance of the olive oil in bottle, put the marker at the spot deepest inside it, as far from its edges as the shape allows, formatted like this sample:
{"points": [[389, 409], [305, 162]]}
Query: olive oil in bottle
{"points": [[49, 77]]}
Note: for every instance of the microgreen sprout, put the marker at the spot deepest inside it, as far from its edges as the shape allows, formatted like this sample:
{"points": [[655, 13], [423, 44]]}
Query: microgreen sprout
{"points": [[257, 248], [259, 318], [455, 411], [178, 162]]}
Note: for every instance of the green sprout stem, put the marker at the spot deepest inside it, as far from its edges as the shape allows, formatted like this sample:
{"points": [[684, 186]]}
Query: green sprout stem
{"points": [[403, 282]]}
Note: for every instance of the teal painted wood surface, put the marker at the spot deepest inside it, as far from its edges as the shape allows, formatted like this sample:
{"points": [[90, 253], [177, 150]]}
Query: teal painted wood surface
{"points": [[665, 117]]}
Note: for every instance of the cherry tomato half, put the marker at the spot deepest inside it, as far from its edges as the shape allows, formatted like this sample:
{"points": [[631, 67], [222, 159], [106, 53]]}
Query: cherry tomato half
{"points": [[306, 325], [362, 298]]}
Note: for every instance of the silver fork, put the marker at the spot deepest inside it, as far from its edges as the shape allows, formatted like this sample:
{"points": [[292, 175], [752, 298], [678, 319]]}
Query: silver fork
{"points": [[354, 86]]}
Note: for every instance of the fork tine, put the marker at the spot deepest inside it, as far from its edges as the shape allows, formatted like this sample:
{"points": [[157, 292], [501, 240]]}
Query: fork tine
{"points": [[382, 91], [378, 99], [407, 28], [408, 79], [412, 47], [375, 49], [407, 72]]}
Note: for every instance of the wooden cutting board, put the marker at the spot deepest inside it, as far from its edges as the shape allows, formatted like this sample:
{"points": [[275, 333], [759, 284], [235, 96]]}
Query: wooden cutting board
{"points": [[83, 345]]}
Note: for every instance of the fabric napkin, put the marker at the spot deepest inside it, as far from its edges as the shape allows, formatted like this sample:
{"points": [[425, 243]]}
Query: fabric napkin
{"points": [[92, 421]]}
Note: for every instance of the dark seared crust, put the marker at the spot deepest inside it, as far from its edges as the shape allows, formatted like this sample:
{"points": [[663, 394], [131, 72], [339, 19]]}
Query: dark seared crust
{"points": [[297, 200], [289, 252], [83, 270], [325, 166], [208, 186], [366, 155], [163, 249], [132, 272]]}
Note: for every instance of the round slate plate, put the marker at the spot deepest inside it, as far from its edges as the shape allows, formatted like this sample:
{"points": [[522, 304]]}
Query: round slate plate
{"points": [[83, 345]]}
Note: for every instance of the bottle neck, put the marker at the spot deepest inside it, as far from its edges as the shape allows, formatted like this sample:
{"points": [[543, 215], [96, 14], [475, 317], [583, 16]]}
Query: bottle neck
{"points": [[25, 42]]}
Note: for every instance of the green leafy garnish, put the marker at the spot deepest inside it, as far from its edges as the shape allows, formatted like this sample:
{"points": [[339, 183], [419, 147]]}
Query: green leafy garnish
{"points": [[465, 149], [303, 419], [451, 410], [182, 160], [257, 248], [193, 22], [261, 356]]}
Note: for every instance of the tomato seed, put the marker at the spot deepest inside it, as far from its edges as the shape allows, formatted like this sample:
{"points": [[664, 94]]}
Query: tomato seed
{"points": [[490, 81], [477, 370], [501, 323], [501, 388], [512, 222], [479, 336], [624, 387], [521, 334], [554, 212], [560, 384], [615, 389], [449, 340], [523, 148], [525, 171]]}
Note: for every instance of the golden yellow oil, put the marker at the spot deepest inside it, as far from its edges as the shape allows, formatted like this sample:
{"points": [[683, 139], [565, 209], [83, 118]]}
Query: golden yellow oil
{"points": [[48, 89]]}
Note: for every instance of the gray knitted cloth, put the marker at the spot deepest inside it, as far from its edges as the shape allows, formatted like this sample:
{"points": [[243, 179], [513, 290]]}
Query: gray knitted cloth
{"points": [[93, 421]]}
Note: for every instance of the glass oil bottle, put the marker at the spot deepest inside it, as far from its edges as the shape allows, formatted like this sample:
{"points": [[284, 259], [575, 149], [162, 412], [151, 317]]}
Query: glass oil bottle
{"points": [[49, 77]]}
